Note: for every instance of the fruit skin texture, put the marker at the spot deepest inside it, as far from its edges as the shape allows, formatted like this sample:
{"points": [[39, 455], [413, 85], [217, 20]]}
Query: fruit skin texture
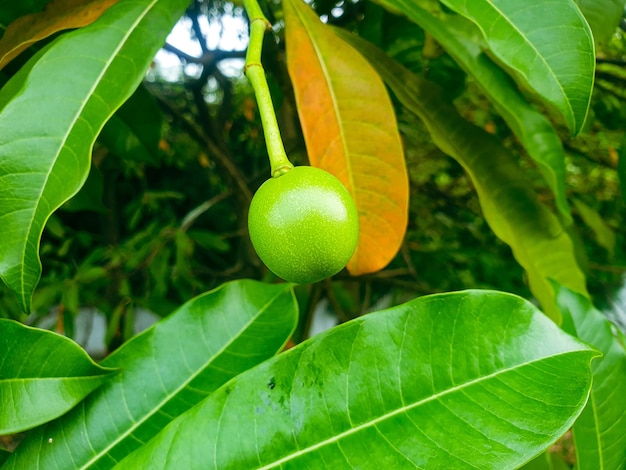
{"points": [[303, 225]]}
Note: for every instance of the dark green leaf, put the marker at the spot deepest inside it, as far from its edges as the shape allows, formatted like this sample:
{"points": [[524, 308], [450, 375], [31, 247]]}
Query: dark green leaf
{"points": [[548, 48], [621, 168], [90, 274], [510, 206], [165, 371], [541, 462], [134, 131], [47, 127], [605, 235], [473, 379], [10, 10], [460, 39], [42, 376], [209, 240], [547, 461], [603, 16], [4, 455], [600, 432], [90, 197]]}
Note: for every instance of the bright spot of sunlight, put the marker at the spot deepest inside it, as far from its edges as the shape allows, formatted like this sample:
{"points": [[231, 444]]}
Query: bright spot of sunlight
{"points": [[228, 33]]}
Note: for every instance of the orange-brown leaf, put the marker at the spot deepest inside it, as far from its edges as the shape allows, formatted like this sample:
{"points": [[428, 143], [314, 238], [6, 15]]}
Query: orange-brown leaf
{"points": [[350, 130], [58, 15]]}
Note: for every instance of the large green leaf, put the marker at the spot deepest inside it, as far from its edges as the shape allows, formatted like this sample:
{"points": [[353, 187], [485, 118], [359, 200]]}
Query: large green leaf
{"points": [[47, 127], [42, 376], [603, 16], [510, 206], [459, 38], [165, 371], [470, 379], [600, 432], [547, 46]]}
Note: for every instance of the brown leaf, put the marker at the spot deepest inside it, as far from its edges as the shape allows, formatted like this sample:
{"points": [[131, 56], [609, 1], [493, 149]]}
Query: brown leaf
{"points": [[350, 130], [58, 15]]}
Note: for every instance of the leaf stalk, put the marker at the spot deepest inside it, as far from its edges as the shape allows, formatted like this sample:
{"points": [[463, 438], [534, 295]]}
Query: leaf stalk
{"points": [[255, 73]]}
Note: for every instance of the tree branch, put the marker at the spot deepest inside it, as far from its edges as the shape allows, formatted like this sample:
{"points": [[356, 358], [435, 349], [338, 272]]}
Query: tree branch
{"points": [[193, 13], [210, 57]]}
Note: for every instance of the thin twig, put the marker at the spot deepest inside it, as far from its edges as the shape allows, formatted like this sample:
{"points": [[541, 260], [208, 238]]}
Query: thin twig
{"points": [[196, 212], [210, 57], [608, 269]]}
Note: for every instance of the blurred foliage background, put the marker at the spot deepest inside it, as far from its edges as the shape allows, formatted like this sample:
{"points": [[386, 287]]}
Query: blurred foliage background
{"points": [[162, 216]]}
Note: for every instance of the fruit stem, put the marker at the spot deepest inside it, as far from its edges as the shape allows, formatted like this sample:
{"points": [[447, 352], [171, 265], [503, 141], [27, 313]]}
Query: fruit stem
{"points": [[253, 69]]}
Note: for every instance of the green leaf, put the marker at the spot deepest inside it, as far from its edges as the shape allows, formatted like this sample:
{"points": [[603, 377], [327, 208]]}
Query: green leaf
{"points": [[509, 205], [134, 131], [4, 455], [459, 38], [42, 376], [12, 10], [600, 432], [621, 168], [548, 48], [547, 461], [605, 235], [165, 371], [603, 17], [47, 127], [89, 198], [394, 389], [209, 240]]}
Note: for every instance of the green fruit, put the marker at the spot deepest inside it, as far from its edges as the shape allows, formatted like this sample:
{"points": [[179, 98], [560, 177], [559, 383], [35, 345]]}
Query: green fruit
{"points": [[303, 225]]}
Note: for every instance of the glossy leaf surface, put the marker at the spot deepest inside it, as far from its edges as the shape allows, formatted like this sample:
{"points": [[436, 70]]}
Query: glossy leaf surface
{"points": [[460, 38], [42, 376], [57, 16], [510, 206], [350, 131], [394, 389], [600, 431], [165, 371], [548, 46], [45, 160]]}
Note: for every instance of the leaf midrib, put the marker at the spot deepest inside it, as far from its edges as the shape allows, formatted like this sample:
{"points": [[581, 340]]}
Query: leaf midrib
{"points": [[531, 45], [73, 121], [182, 386], [406, 408], [594, 409], [322, 63], [71, 378]]}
